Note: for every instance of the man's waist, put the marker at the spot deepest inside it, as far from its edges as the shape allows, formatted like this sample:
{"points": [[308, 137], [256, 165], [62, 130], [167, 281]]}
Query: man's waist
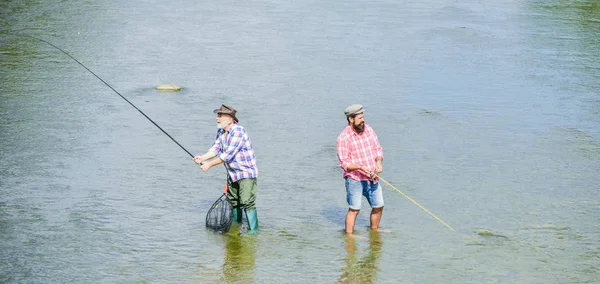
{"points": [[357, 175], [237, 174]]}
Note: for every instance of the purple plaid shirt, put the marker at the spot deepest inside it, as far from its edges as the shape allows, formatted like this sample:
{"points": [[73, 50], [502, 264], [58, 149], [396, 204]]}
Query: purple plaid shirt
{"points": [[235, 149]]}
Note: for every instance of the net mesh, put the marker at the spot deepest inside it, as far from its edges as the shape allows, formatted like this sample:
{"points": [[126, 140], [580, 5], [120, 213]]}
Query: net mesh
{"points": [[220, 215]]}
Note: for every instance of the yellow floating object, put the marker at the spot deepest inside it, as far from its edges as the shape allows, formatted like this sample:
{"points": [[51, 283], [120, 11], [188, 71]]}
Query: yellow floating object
{"points": [[168, 87]]}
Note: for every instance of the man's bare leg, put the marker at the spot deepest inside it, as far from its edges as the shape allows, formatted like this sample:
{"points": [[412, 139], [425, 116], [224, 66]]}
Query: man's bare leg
{"points": [[375, 218], [350, 220]]}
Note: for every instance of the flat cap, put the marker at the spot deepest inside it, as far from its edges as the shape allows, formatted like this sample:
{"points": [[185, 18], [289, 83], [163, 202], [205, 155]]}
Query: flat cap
{"points": [[353, 109]]}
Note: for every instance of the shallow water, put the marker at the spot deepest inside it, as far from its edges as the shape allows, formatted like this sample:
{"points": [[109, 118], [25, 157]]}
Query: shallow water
{"points": [[489, 117]]}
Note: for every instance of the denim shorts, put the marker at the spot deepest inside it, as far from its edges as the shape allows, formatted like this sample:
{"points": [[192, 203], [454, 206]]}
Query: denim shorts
{"points": [[356, 189]]}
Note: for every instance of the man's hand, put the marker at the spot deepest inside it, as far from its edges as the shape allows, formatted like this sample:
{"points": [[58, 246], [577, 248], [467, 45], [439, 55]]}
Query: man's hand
{"points": [[198, 160], [379, 168], [365, 169], [379, 165]]}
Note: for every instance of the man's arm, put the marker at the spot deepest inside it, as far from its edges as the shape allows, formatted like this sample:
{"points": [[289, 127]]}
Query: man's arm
{"points": [[379, 150], [208, 155], [353, 167], [211, 163], [237, 137], [379, 164], [343, 154]]}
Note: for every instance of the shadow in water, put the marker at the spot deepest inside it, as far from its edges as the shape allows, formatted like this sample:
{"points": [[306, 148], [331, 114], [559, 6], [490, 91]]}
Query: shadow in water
{"points": [[240, 256], [361, 269]]}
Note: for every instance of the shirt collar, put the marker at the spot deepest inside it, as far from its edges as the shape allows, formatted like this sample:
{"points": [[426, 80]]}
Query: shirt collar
{"points": [[222, 130]]}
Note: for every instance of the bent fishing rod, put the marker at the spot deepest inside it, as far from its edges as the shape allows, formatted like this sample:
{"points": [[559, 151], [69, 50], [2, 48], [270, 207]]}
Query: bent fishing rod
{"points": [[113, 90], [416, 203]]}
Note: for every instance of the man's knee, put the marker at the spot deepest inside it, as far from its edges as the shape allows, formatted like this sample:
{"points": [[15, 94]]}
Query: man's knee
{"points": [[377, 210]]}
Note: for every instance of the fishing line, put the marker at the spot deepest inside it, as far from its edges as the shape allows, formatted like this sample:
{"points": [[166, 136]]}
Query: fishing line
{"points": [[416, 203], [113, 90], [220, 215]]}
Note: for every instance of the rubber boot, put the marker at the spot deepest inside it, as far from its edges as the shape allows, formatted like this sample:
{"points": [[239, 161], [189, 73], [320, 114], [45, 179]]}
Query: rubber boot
{"points": [[237, 214], [252, 221]]}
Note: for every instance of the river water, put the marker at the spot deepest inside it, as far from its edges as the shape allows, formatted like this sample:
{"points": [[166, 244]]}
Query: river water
{"points": [[488, 113]]}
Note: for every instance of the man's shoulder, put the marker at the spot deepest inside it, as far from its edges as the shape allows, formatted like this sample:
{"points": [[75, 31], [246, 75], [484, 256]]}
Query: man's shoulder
{"points": [[345, 132], [369, 129], [236, 128]]}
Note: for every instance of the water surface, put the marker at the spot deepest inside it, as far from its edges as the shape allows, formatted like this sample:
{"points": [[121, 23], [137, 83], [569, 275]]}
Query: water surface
{"points": [[488, 113]]}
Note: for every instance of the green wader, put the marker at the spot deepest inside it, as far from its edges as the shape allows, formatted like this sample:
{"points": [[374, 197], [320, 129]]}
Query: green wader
{"points": [[242, 195]]}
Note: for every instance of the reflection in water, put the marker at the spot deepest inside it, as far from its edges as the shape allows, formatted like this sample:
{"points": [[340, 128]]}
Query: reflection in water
{"points": [[238, 266], [364, 269]]}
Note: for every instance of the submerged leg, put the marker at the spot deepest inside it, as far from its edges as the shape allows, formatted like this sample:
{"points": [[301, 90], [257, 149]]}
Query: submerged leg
{"points": [[248, 202], [350, 220], [252, 220], [376, 217], [233, 194], [237, 214]]}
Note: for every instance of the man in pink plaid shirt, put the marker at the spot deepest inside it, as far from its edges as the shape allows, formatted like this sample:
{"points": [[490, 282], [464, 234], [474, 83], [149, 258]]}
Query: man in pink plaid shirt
{"points": [[361, 157]]}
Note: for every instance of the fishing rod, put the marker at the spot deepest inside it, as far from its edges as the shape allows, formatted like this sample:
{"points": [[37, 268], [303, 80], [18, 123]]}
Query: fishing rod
{"points": [[113, 90], [416, 203]]}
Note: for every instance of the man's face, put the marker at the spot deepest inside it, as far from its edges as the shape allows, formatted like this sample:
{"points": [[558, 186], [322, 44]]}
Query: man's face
{"points": [[358, 122], [223, 120]]}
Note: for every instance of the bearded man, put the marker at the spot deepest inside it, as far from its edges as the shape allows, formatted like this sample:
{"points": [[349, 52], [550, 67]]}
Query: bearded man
{"points": [[360, 155], [233, 147]]}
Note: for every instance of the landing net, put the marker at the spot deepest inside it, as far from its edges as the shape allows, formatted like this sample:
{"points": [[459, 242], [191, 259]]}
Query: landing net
{"points": [[220, 215]]}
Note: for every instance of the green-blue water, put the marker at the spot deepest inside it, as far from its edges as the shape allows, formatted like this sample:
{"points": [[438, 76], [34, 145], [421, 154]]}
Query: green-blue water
{"points": [[489, 115]]}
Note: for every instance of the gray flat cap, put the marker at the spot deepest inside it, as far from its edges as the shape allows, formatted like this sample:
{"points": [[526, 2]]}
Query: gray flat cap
{"points": [[353, 109]]}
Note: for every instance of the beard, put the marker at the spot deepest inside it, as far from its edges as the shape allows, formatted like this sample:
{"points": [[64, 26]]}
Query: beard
{"points": [[221, 124], [359, 128]]}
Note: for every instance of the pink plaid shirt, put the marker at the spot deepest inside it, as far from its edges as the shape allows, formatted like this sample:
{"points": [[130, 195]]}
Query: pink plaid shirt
{"points": [[359, 149]]}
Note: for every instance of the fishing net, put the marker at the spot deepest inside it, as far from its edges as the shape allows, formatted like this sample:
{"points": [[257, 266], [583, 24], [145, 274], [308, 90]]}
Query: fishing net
{"points": [[220, 215]]}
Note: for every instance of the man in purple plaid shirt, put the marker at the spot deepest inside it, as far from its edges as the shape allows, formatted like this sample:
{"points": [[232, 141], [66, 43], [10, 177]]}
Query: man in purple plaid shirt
{"points": [[233, 148]]}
